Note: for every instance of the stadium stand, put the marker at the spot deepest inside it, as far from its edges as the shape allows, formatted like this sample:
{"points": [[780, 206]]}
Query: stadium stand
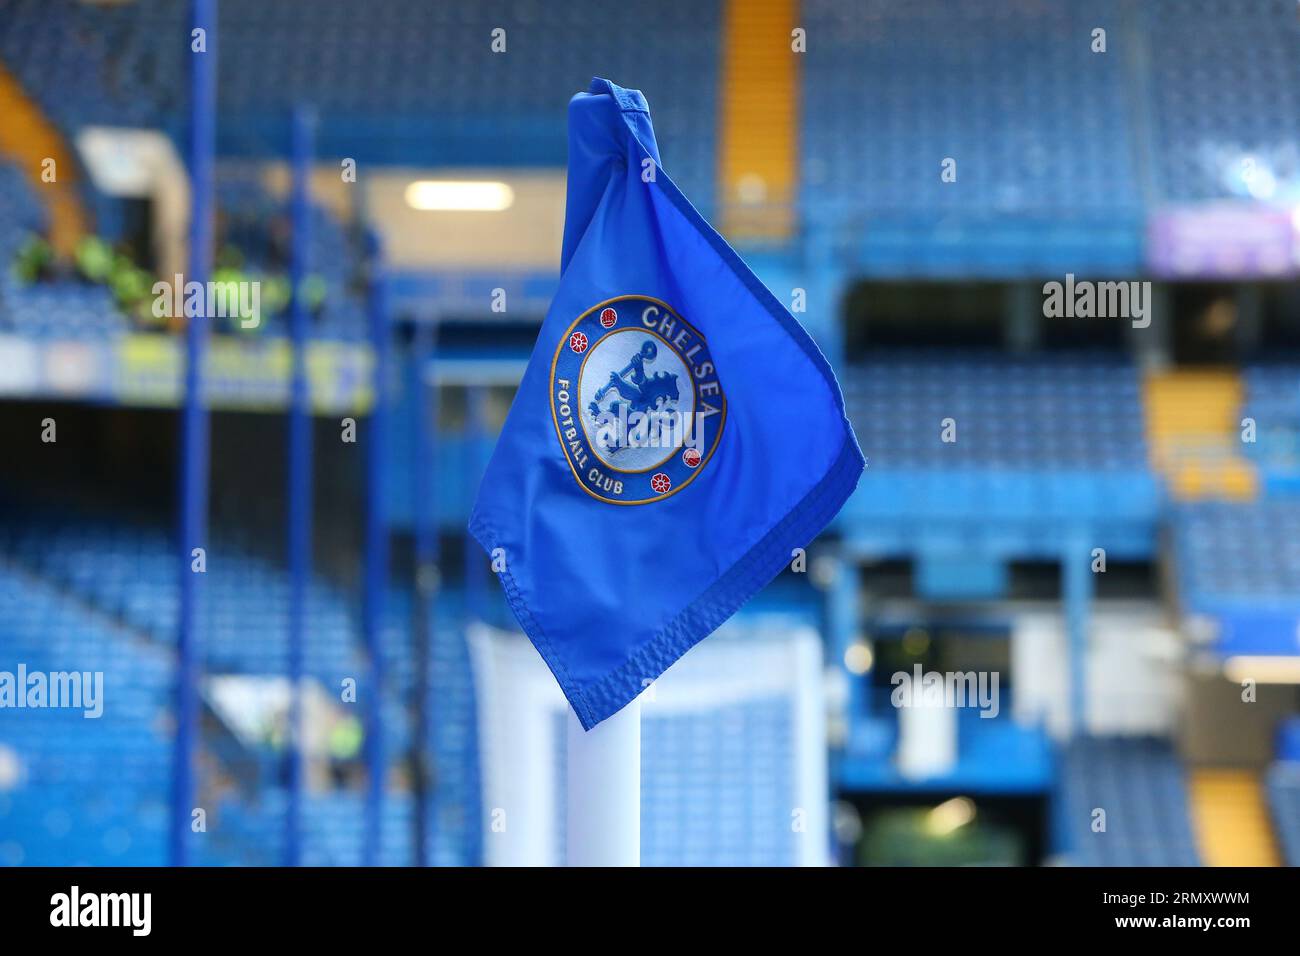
{"points": [[897, 91], [1239, 557], [1273, 400], [1069, 413], [1283, 786], [92, 64], [376, 103], [123, 574], [57, 307], [20, 213], [1224, 105], [119, 575], [919, 92], [1140, 785], [1061, 155], [1039, 443], [1284, 798], [83, 791]]}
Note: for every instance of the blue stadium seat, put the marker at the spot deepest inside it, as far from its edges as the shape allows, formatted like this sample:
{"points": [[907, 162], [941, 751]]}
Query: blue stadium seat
{"points": [[1283, 786], [1239, 555], [101, 593], [425, 88], [1140, 784], [1049, 414], [1225, 89], [87, 791]]}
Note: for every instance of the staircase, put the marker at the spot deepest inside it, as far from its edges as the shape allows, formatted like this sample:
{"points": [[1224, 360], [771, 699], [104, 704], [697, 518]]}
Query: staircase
{"points": [[758, 139], [1231, 819], [1193, 426], [28, 139]]}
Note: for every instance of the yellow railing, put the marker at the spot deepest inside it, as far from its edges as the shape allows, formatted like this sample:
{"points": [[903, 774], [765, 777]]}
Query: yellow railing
{"points": [[35, 145]]}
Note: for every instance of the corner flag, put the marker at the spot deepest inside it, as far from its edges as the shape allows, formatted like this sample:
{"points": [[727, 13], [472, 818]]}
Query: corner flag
{"points": [[675, 435]]}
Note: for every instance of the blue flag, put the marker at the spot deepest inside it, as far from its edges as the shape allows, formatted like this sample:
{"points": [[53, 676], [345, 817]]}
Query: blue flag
{"points": [[675, 435]]}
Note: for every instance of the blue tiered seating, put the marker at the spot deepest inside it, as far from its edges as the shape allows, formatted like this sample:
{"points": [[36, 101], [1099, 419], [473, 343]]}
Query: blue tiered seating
{"points": [[1283, 785], [1242, 554], [1225, 87], [1039, 126], [1239, 557], [1141, 786], [250, 832], [1052, 170], [425, 87], [99, 594], [21, 214], [131, 572], [78, 791], [63, 308], [1041, 443], [1049, 414], [1273, 401], [128, 573], [106, 64], [1239, 564]]}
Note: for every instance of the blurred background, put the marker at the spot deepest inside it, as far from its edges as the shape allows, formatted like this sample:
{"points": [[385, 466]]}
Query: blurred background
{"points": [[1091, 522]]}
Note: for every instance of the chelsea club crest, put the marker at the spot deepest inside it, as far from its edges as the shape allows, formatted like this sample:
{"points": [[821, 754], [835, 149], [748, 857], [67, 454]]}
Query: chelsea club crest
{"points": [[636, 400]]}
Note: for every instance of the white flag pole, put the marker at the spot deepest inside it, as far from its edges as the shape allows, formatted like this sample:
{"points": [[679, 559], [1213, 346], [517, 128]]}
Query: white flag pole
{"points": [[604, 790]]}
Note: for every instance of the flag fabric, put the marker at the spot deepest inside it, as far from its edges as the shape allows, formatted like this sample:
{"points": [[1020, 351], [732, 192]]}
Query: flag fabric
{"points": [[675, 437]]}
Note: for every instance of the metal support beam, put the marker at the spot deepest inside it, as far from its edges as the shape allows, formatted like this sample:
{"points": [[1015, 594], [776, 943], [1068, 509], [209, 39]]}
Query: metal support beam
{"points": [[193, 493], [376, 563], [1077, 588], [299, 492], [424, 493], [476, 451]]}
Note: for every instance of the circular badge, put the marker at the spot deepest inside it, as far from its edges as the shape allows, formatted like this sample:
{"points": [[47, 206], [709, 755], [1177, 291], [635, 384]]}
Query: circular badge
{"points": [[636, 401]]}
